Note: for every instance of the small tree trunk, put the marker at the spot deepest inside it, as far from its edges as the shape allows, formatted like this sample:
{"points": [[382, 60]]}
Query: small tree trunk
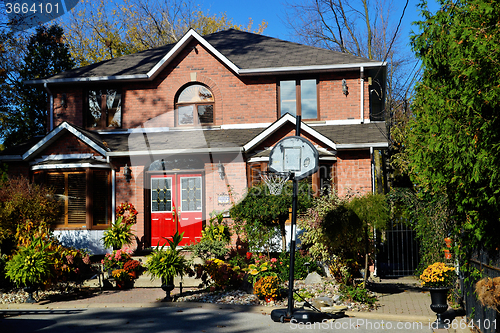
{"points": [[283, 235]]}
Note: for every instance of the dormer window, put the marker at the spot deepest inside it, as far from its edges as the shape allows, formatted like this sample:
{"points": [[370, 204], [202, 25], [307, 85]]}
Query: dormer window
{"points": [[194, 106], [104, 109]]}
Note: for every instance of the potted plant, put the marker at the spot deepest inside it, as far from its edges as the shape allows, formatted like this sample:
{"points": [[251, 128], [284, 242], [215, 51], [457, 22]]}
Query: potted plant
{"points": [[166, 264], [31, 266], [438, 278], [122, 278], [133, 268], [118, 234]]}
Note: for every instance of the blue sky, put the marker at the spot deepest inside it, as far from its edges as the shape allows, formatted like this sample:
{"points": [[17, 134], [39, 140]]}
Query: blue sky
{"points": [[273, 11]]}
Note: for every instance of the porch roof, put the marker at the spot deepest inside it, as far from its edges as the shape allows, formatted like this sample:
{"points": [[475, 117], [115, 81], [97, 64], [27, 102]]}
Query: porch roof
{"points": [[358, 136]]}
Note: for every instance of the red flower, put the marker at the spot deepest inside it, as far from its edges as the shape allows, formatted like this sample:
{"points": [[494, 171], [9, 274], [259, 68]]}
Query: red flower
{"points": [[249, 255]]}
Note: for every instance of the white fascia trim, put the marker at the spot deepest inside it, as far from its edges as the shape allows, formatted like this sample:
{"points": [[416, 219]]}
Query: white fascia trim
{"points": [[175, 151], [55, 132], [137, 130], [342, 122], [295, 69], [363, 145], [274, 127], [135, 77], [245, 126], [180, 46], [68, 166], [258, 159], [11, 158], [67, 157]]}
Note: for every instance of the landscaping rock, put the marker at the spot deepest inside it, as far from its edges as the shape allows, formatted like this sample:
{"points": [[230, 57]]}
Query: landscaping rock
{"points": [[336, 309], [322, 302], [313, 278]]}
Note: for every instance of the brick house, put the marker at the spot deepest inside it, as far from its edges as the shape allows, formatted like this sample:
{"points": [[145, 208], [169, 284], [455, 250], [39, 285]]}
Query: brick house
{"points": [[189, 126]]}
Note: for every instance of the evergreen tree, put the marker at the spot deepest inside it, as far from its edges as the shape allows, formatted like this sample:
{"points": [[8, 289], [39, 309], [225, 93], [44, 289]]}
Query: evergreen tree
{"points": [[25, 114], [453, 138]]}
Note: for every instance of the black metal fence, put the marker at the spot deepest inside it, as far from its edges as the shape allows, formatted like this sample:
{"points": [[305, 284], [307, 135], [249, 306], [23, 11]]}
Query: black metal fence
{"points": [[484, 319], [399, 252]]}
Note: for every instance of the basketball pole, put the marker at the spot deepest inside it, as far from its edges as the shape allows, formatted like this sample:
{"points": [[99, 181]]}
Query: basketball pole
{"points": [[293, 231]]}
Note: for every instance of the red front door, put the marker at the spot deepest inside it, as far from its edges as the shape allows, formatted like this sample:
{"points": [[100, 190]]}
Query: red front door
{"points": [[190, 207], [162, 208], [176, 205]]}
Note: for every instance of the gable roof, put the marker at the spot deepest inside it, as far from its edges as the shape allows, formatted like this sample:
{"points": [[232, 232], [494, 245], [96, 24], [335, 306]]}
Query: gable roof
{"points": [[287, 118], [89, 138], [243, 52]]}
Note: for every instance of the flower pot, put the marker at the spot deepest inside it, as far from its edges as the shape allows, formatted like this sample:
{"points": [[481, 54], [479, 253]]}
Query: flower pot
{"points": [[124, 284], [30, 289], [439, 304], [167, 287]]}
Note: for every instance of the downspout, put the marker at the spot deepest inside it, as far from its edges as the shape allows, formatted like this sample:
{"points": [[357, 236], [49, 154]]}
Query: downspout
{"points": [[362, 93], [113, 190], [51, 107], [374, 229]]}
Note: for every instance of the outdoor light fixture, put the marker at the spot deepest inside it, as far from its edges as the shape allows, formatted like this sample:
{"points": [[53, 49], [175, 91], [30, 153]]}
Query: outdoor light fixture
{"points": [[220, 169], [64, 103], [345, 89], [127, 172]]}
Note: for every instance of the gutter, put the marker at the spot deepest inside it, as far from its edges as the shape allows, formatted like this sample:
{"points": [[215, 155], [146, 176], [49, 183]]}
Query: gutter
{"points": [[175, 151], [317, 68], [362, 145], [51, 106]]}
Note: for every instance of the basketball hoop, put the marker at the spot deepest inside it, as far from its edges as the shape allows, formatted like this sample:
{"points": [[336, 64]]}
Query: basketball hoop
{"points": [[275, 180]]}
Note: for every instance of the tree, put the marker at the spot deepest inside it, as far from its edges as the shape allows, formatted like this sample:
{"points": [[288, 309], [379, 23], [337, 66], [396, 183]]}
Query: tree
{"points": [[24, 112], [372, 210], [262, 213], [108, 29], [453, 138], [366, 29]]}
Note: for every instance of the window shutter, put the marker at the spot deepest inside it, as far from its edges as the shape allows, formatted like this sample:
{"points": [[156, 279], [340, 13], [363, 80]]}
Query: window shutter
{"points": [[77, 199]]}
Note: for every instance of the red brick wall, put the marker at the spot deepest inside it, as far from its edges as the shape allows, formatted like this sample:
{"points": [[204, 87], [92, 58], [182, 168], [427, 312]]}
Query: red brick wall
{"points": [[238, 100], [353, 172], [74, 104], [132, 191], [68, 144], [233, 186]]}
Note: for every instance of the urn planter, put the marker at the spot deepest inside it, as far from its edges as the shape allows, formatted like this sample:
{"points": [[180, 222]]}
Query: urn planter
{"points": [[439, 304], [167, 286], [30, 289]]}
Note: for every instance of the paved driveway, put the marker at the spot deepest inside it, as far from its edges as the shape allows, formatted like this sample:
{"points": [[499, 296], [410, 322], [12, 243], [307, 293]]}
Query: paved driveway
{"points": [[170, 319]]}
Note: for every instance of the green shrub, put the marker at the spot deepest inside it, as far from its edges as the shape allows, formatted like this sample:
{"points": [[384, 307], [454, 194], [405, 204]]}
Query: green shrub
{"points": [[32, 264], [215, 239], [20, 202], [356, 294], [300, 270]]}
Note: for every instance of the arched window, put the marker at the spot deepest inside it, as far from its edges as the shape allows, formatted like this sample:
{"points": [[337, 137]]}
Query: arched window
{"points": [[195, 106]]}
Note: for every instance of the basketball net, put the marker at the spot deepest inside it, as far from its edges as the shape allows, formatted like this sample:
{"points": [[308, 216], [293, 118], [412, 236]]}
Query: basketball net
{"points": [[274, 181]]}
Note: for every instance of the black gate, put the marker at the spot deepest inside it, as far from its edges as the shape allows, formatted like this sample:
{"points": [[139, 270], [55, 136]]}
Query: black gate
{"points": [[398, 254]]}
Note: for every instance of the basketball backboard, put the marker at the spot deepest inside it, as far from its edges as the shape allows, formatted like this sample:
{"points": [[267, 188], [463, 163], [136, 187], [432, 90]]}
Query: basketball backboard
{"points": [[296, 155]]}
